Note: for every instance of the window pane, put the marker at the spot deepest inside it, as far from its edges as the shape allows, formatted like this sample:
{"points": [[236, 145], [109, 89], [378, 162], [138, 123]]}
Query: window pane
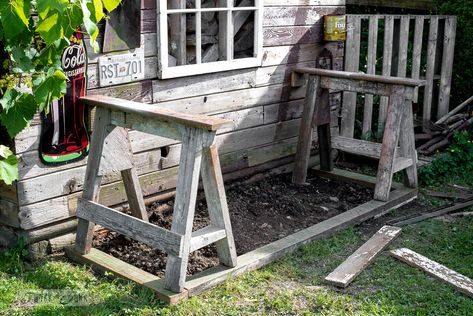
{"points": [[182, 39], [244, 30], [244, 3]]}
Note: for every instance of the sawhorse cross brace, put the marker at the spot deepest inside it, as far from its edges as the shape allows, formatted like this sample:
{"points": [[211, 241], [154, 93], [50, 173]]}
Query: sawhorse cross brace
{"points": [[110, 151]]}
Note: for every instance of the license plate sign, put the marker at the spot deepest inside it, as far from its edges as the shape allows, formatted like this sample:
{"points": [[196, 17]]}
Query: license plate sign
{"points": [[117, 69]]}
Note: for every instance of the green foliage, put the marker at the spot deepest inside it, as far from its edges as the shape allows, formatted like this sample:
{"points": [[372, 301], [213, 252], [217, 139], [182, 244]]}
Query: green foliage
{"points": [[457, 162], [30, 52], [11, 260], [462, 80]]}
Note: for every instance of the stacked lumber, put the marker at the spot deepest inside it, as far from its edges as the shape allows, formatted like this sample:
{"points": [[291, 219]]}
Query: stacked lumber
{"points": [[440, 134]]}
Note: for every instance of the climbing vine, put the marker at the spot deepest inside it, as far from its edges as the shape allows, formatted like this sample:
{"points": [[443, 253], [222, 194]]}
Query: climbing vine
{"points": [[33, 35]]}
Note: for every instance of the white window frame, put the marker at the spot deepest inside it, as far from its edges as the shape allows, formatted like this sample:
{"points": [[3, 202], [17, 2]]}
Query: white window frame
{"points": [[165, 71]]}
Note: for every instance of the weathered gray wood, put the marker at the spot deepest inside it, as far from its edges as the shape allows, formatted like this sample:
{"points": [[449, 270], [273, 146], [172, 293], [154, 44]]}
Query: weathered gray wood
{"points": [[85, 228], [359, 147], [352, 65], [407, 145], [178, 32], [424, 5], [347, 271], [102, 262], [356, 76], [9, 213], [215, 196], [116, 144], [370, 69], [206, 236], [439, 212], [458, 281], [305, 131], [430, 72], [262, 256], [151, 111], [387, 59], [417, 51], [444, 118], [134, 194], [362, 86], [130, 226], [390, 139], [184, 206], [403, 45], [447, 65]]}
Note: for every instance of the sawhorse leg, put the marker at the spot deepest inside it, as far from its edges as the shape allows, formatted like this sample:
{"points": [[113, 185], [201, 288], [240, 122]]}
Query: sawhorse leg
{"points": [[184, 206], [395, 111], [407, 145]]}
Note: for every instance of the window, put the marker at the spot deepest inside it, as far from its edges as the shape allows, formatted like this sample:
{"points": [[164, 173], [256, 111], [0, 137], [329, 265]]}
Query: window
{"points": [[204, 36]]}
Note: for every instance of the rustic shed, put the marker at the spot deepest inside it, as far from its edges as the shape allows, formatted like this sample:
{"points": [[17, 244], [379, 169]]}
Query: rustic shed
{"points": [[250, 85]]}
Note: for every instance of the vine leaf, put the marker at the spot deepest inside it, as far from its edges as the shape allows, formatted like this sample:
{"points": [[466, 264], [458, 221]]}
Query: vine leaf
{"points": [[50, 28], [18, 111], [8, 165], [89, 25], [111, 4], [15, 17], [48, 88]]}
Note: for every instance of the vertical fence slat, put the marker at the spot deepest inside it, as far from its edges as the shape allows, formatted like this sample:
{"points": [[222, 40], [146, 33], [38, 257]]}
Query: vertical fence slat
{"points": [[447, 63], [370, 69], [387, 58], [351, 64], [403, 43], [429, 77], [417, 51]]}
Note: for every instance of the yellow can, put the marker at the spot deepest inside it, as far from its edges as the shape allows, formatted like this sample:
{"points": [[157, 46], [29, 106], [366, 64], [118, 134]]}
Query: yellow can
{"points": [[335, 28]]}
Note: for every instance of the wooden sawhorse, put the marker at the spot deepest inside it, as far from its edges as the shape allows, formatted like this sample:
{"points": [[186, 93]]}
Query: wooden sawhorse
{"points": [[398, 126], [110, 152]]}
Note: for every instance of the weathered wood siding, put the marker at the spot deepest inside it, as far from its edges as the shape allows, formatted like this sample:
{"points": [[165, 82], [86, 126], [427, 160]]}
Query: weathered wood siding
{"points": [[265, 109]]}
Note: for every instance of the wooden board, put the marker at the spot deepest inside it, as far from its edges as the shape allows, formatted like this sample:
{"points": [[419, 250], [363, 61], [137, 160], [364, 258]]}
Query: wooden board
{"points": [[438, 271], [346, 272], [255, 259], [103, 262]]}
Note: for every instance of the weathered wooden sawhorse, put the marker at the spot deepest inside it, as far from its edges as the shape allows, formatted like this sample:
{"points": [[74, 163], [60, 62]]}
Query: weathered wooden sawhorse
{"points": [[398, 126], [110, 151]]}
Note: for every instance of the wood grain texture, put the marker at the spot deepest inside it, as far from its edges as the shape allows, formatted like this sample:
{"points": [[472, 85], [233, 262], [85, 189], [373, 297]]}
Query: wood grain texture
{"points": [[130, 226], [404, 4], [216, 199], [184, 206], [102, 262], [370, 69], [430, 72], [460, 282], [447, 65], [386, 70], [347, 271]]}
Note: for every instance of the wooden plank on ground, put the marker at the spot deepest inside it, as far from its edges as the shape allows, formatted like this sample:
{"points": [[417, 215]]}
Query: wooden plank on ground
{"points": [[275, 250], [458, 281], [103, 262], [346, 272], [437, 213]]}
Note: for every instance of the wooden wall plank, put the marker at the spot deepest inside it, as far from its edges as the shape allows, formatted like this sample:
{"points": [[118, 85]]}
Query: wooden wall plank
{"points": [[429, 77], [302, 15], [351, 64], [387, 59], [447, 65], [370, 69], [9, 213]]}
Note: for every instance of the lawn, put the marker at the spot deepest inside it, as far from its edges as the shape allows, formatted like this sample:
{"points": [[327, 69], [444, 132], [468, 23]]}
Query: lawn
{"points": [[292, 286]]}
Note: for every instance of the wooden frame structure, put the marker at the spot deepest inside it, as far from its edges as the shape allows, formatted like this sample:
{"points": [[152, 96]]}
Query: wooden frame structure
{"points": [[257, 258], [110, 152], [399, 91], [440, 32], [172, 17]]}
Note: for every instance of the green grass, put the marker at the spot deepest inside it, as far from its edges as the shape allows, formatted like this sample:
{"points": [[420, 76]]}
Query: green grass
{"points": [[292, 286]]}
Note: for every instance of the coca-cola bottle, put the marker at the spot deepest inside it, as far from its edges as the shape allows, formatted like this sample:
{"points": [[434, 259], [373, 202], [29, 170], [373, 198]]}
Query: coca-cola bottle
{"points": [[64, 135]]}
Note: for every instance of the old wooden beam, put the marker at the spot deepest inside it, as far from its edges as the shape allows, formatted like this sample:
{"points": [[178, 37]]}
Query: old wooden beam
{"points": [[346, 272], [438, 271]]}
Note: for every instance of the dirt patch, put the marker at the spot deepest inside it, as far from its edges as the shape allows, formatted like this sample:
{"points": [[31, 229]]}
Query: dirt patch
{"points": [[261, 212]]}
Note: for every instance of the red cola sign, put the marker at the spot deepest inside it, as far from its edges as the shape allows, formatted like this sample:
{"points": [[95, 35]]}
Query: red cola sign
{"points": [[64, 136]]}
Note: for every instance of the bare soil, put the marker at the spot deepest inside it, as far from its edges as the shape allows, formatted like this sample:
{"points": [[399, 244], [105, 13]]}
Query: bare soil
{"points": [[261, 212]]}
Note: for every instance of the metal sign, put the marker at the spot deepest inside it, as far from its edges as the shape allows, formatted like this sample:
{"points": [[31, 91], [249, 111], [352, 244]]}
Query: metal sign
{"points": [[117, 69]]}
